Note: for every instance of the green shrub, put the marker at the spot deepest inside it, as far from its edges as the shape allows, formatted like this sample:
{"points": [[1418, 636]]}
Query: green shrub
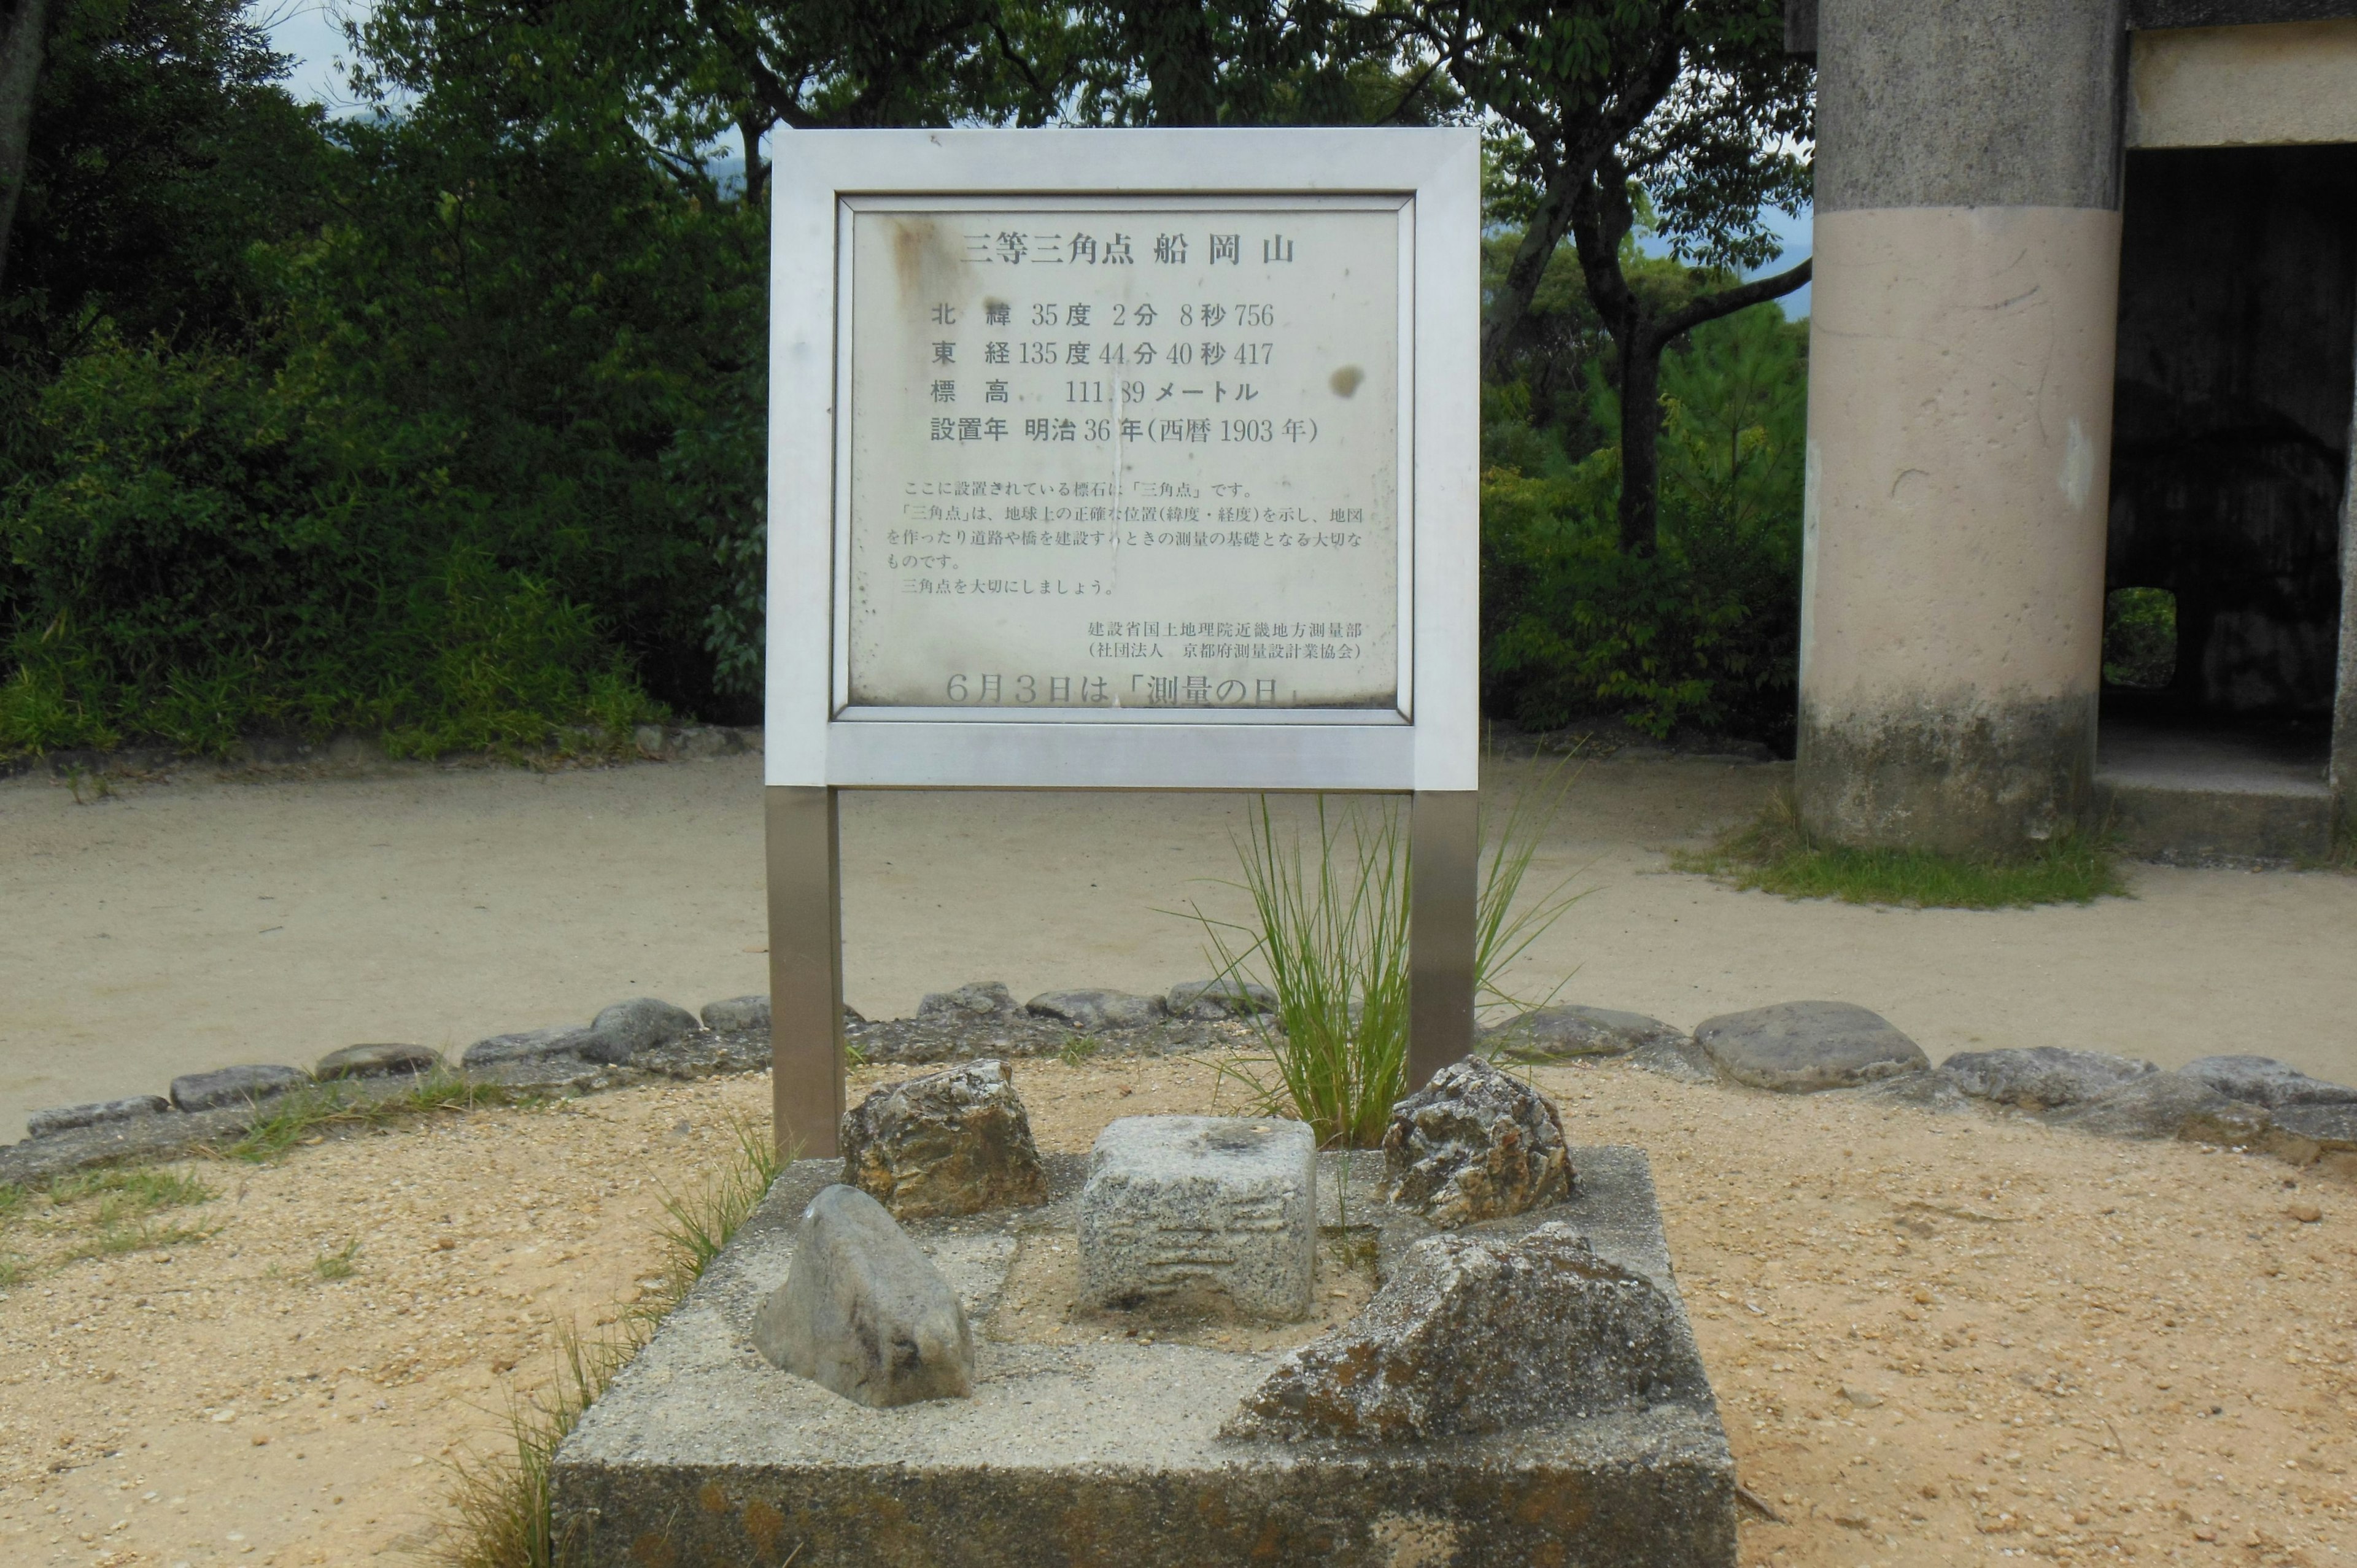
{"points": [[1706, 630], [200, 548], [2140, 638]]}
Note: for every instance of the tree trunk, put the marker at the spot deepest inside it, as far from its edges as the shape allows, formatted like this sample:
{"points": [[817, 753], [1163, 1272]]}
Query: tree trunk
{"points": [[750, 126], [22, 31], [1511, 306], [1640, 434]]}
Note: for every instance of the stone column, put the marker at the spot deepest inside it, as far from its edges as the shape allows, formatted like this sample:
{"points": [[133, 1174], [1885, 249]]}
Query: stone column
{"points": [[1960, 396]]}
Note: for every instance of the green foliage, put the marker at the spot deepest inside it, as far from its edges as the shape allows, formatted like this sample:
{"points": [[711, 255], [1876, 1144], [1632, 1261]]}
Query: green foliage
{"points": [[339, 1264], [2140, 638], [289, 1119], [1777, 854], [1705, 632], [201, 549]]}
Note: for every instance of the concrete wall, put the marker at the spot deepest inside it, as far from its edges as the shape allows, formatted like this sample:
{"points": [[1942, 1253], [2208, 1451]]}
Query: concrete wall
{"points": [[1967, 245], [2220, 87]]}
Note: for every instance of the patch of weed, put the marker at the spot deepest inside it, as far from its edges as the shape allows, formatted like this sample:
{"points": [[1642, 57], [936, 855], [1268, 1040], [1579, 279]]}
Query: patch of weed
{"points": [[114, 1241], [338, 1264], [128, 1194], [1776, 853], [300, 1113], [12, 1270], [1077, 1048], [13, 1198]]}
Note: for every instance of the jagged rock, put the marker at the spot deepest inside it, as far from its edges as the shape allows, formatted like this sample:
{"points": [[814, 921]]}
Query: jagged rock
{"points": [[2042, 1078], [738, 1015], [376, 1061], [1091, 1011], [978, 999], [2170, 1105], [642, 1022], [1551, 1034], [1194, 1214], [66, 1118], [233, 1086], [1474, 1334], [1474, 1144], [953, 1142], [865, 1313], [2263, 1080], [1800, 1047], [529, 1044], [1218, 999]]}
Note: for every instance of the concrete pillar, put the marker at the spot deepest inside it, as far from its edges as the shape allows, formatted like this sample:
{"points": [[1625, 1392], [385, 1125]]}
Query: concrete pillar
{"points": [[1960, 395]]}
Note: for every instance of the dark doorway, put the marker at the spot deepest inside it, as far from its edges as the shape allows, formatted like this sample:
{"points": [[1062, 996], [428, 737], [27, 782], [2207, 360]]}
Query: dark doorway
{"points": [[2229, 451]]}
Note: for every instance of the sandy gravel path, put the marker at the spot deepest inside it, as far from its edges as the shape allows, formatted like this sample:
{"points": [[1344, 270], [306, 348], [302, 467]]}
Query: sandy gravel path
{"points": [[1934, 1340], [191, 925]]}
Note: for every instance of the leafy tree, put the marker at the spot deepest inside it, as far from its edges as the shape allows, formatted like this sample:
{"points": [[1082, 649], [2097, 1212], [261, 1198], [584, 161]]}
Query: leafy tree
{"points": [[1694, 103], [1249, 62], [161, 148]]}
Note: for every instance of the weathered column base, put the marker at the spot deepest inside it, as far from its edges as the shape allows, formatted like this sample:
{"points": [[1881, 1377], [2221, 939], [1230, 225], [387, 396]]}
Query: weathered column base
{"points": [[1959, 774]]}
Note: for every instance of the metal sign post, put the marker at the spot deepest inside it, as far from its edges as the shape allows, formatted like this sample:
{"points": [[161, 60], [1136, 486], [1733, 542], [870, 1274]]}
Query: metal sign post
{"points": [[1120, 461]]}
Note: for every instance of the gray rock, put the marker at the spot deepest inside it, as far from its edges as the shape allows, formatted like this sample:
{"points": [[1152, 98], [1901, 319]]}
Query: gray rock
{"points": [[233, 1086], [2263, 1080], [376, 1061], [862, 1312], [977, 999], [1799, 1047], [1201, 1214], [1218, 999], [1477, 1334], [1091, 1011], [531, 1045], [2042, 1078], [2170, 1105], [953, 1142], [623, 1030], [66, 1118], [738, 1015], [1474, 1144], [1550, 1034], [1683, 1059], [2332, 1128]]}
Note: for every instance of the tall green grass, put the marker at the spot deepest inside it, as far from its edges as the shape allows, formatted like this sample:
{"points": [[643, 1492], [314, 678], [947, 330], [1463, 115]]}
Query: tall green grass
{"points": [[1329, 935]]}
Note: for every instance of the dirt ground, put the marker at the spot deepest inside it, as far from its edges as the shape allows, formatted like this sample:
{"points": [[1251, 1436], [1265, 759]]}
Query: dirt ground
{"points": [[175, 927], [1934, 1340]]}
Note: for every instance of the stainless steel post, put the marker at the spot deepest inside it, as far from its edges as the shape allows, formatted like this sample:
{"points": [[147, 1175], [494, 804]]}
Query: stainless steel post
{"points": [[805, 971], [1444, 852]]}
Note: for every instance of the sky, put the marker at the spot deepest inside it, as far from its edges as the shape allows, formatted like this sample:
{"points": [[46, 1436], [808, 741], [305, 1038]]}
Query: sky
{"points": [[312, 32]]}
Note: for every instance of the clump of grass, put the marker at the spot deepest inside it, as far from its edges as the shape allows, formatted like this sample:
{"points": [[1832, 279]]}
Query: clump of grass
{"points": [[1329, 935], [1076, 1049], [290, 1118], [503, 1503], [114, 1241], [1776, 853], [339, 1264], [122, 1204], [13, 1198], [12, 1270]]}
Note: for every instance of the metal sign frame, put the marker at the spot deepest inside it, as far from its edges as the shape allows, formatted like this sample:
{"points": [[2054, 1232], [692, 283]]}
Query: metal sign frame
{"points": [[815, 742]]}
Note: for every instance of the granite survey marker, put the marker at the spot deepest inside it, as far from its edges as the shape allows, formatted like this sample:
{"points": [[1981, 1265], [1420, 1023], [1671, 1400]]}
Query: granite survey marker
{"points": [[1089, 1445]]}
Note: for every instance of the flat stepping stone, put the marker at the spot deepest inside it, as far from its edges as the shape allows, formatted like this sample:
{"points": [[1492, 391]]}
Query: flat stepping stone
{"points": [[1091, 1011], [2041, 1077], [1801, 1048], [233, 1086], [1550, 1034], [376, 1061], [2263, 1080]]}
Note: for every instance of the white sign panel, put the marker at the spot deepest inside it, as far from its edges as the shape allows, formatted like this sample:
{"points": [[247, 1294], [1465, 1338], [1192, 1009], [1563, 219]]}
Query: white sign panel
{"points": [[1110, 454], [1124, 459]]}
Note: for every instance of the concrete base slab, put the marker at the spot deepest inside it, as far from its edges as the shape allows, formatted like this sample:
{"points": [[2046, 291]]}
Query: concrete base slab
{"points": [[2193, 794], [1094, 1440]]}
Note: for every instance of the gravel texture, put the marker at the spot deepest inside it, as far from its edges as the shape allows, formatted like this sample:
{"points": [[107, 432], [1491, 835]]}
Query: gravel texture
{"points": [[1934, 1339]]}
